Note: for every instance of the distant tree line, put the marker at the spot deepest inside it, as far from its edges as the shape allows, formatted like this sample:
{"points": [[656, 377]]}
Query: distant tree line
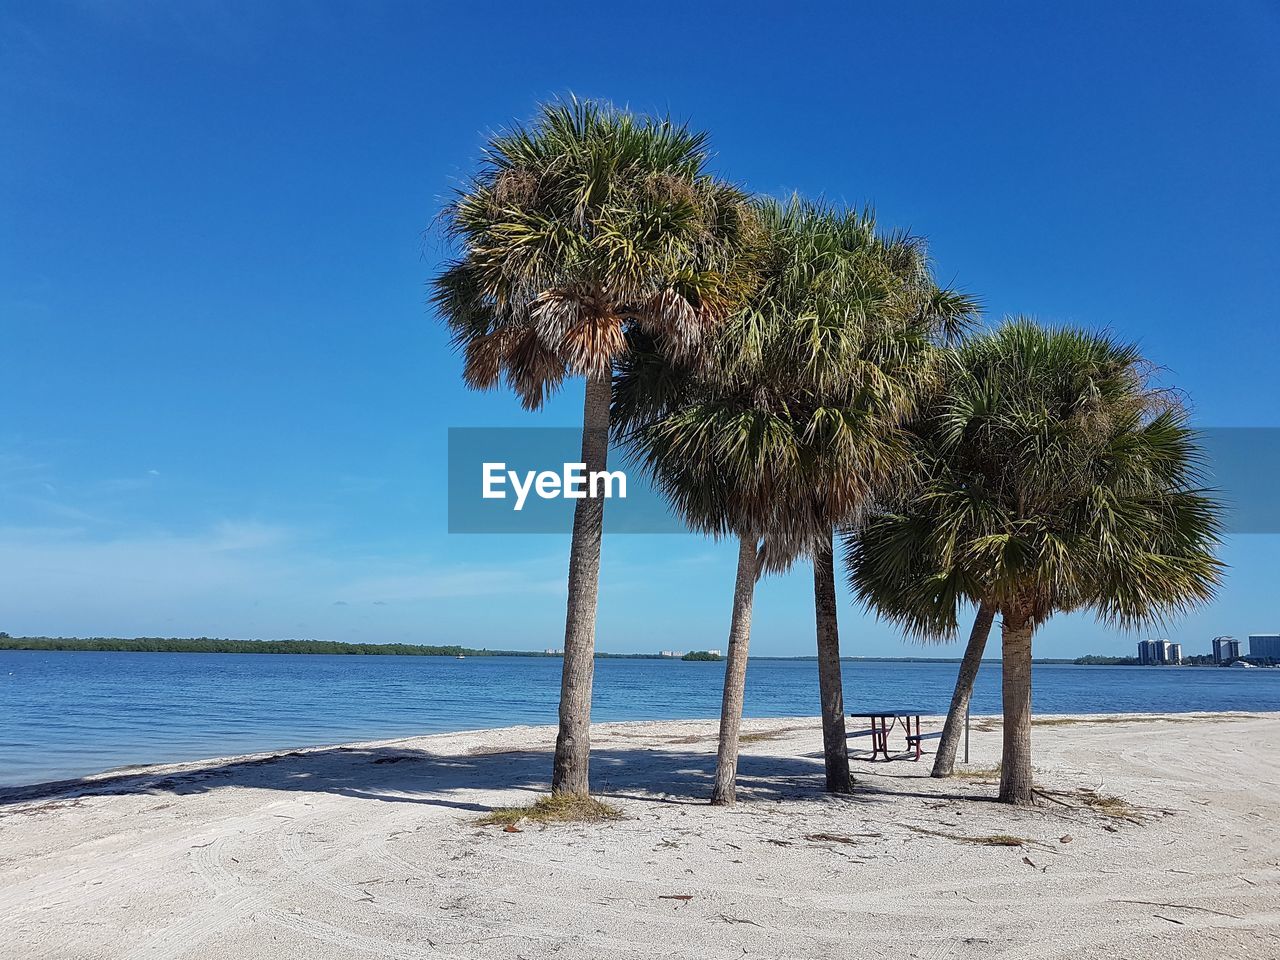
{"points": [[222, 645], [1194, 660]]}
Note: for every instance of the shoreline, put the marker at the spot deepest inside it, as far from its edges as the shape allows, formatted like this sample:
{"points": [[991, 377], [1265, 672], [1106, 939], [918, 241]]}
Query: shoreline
{"points": [[454, 652], [88, 783], [64, 716], [1153, 840]]}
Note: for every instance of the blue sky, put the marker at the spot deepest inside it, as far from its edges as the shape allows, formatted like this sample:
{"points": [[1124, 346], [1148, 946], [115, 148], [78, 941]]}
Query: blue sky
{"points": [[224, 401]]}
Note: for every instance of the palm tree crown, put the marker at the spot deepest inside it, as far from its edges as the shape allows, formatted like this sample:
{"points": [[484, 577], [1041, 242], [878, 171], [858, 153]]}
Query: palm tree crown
{"points": [[1058, 478], [574, 226], [792, 419]]}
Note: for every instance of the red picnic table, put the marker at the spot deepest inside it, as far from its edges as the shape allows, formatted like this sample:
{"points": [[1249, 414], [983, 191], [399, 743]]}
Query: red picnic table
{"points": [[882, 721]]}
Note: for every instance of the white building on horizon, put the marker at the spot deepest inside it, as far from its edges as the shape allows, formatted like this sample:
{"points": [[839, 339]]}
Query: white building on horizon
{"points": [[1226, 649], [1159, 653]]}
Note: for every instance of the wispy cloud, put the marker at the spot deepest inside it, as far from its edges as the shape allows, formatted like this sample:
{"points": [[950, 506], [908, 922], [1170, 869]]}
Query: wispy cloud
{"points": [[247, 535], [238, 577], [17, 469], [432, 581], [34, 490]]}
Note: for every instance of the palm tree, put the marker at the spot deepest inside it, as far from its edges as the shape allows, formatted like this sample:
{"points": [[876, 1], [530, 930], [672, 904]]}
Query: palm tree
{"points": [[1058, 478], [587, 222], [944, 760], [792, 420], [924, 315]]}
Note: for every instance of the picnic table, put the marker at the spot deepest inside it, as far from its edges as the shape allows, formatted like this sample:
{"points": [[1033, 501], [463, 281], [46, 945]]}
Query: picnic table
{"points": [[882, 721]]}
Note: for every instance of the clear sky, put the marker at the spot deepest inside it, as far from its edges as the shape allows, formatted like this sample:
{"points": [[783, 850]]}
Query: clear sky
{"points": [[224, 400]]}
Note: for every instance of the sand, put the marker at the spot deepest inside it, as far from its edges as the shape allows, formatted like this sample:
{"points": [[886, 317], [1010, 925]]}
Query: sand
{"points": [[371, 850]]}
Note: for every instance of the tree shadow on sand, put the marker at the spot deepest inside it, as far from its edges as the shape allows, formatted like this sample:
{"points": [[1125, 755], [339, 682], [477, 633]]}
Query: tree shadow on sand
{"points": [[397, 774]]}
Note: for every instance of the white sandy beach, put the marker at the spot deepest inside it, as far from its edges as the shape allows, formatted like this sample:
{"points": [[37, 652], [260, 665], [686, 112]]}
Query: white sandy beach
{"points": [[370, 850]]}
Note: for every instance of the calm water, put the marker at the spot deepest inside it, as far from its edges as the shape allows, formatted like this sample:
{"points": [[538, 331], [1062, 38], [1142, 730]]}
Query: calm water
{"points": [[66, 714]]}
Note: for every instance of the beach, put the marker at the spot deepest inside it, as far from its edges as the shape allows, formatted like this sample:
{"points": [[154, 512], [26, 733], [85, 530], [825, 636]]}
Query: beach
{"points": [[1155, 837]]}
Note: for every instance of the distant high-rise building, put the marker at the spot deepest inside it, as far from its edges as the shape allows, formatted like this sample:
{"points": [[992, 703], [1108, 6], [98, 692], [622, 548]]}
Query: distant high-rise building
{"points": [[1226, 649], [1264, 646], [1157, 652]]}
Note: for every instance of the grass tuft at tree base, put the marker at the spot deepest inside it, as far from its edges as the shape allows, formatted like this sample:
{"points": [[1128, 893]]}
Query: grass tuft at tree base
{"points": [[557, 808], [977, 773], [990, 840]]}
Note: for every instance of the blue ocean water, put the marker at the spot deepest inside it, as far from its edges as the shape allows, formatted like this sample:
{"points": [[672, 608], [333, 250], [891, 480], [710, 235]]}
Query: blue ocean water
{"points": [[65, 714]]}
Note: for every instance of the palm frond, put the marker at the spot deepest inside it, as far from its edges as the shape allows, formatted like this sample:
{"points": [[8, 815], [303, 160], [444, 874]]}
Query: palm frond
{"points": [[791, 418], [583, 222], [1056, 477]]}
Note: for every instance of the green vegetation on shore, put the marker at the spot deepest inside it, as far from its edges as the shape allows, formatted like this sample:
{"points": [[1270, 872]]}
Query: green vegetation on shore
{"points": [[217, 645], [221, 645], [1095, 660]]}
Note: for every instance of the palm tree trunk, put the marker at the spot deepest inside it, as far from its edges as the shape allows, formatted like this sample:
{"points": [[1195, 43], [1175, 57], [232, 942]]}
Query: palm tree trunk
{"points": [[725, 791], [835, 748], [945, 759], [1015, 765], [570, 772]]}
